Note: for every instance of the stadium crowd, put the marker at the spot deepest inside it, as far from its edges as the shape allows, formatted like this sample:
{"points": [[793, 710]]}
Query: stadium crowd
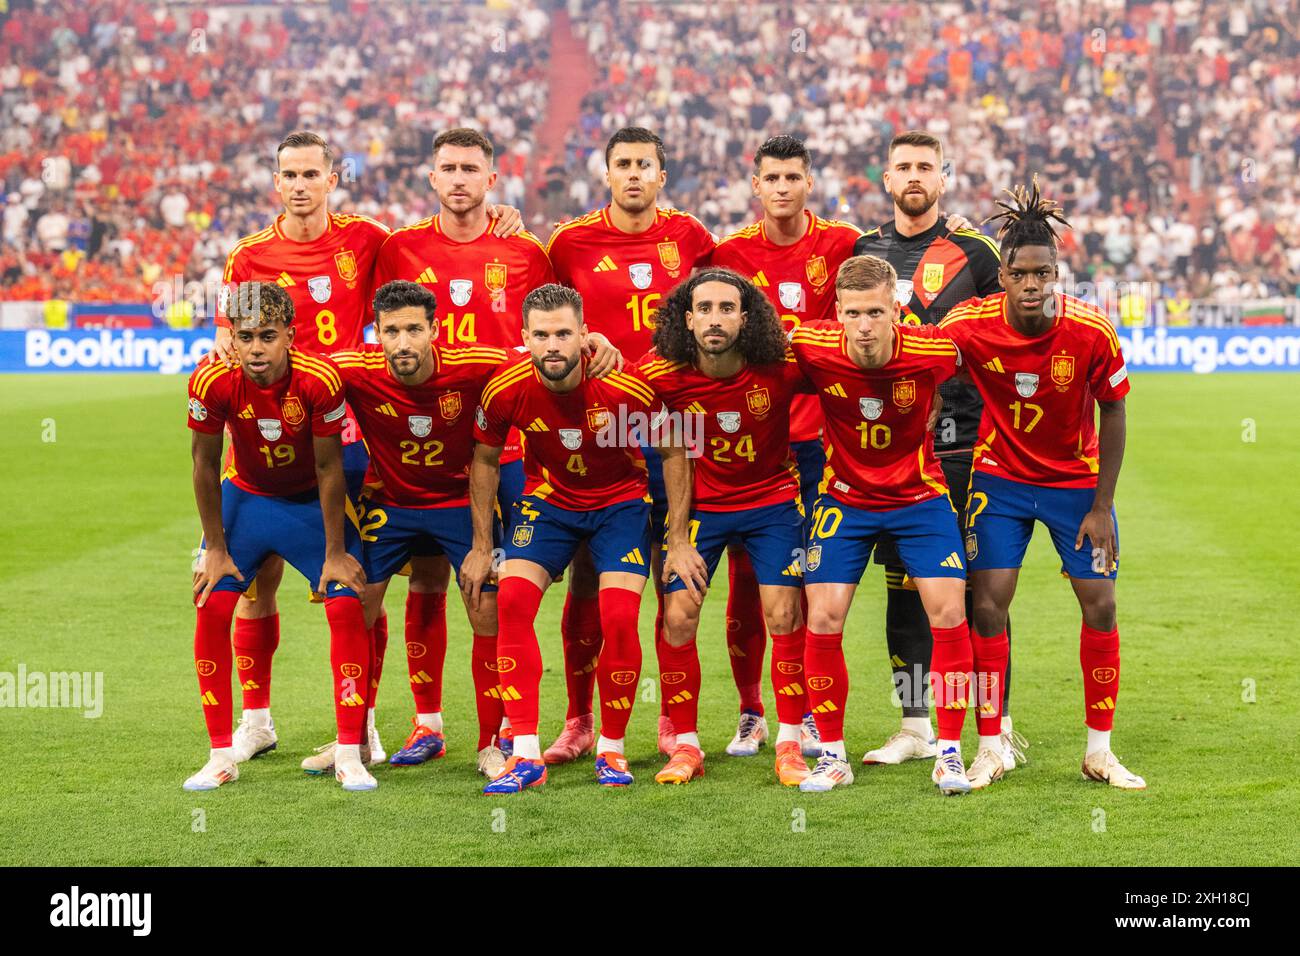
{"points": [[135, 141]]}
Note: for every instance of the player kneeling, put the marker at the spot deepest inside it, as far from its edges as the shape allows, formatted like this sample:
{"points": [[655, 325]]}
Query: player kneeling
{"points": [[284, 494], [584, 482], [722, 367], [876, 380]]}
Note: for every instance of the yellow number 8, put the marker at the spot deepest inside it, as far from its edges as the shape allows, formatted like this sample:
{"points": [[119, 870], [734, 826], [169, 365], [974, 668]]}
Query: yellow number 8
{"points": [[325, 328]]}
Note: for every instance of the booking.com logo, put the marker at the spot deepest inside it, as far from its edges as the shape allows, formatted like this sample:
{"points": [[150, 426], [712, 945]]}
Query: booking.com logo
{"points": [[114, 349]]}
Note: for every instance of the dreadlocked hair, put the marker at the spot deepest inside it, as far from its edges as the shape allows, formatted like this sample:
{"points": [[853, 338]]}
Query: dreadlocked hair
{"points": [[1027, 220], [762, 338]]}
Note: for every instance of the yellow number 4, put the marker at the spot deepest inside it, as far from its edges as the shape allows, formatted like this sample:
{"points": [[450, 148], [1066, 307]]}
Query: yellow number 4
{"points": [[576, 465]]}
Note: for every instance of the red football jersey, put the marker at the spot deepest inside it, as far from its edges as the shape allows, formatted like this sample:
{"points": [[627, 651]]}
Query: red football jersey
{"points": [[800, 281], [329, 279], [743, 446], [1039, 423], [480, 284], [271, 429], [565, 462], [879, 454], [420, 438], [623, 276]]}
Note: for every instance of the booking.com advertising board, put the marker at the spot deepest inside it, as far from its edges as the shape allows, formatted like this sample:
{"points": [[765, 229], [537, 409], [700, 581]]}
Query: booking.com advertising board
{"points": [[1198, 350]]}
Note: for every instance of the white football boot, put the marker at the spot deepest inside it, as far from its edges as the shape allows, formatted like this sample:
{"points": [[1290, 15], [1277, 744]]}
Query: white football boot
{"points": [[904, 745], [491, 761], [252, 740], [987, 768], [1103, 766], [949, 774], [830, 772], [352, 773], [750, 736], [215, 772]]}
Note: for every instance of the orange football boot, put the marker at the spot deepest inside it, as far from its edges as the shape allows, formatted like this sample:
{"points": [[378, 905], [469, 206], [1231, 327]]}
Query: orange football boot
{"points": [[686, 764]]}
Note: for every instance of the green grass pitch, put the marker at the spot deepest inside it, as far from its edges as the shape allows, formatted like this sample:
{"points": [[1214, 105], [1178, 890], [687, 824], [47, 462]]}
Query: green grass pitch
{"points": [[94, 576]]}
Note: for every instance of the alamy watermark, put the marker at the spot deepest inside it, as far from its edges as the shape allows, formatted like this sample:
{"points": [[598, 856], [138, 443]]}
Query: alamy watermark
{"points": [[78, 690]]}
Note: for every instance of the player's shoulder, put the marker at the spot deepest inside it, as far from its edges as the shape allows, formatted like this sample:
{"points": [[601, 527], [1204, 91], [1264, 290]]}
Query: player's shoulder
{"points": [[1089, 320], [976, 245], [212, 379], [925, 340], [409, 232], [566, 232], [355, 222], [251, 241], [679, 222], [837, 227], [659, 370], [818, 335], [629, 382], [974, 309], [513, 373], [873, 237], [472, 358], [529, 243], [365, 357], [740, 236], [317, 371]]}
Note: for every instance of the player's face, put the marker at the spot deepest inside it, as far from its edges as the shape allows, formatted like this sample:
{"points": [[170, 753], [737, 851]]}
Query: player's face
{"points": [[303, 181], [715, 317], [1029, 280], [634, 176], [914, 179], [263, 350], [782, 186], [868, 316], [462, 177], [556, 340], [407, 338]]}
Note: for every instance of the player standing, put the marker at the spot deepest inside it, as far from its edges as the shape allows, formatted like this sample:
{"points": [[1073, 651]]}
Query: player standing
{"points": [[938, 266], [876, 379], [284, 494], [480, 279], [1040, 359], [721, 363], [623, 259], [584, 483], [415, 401]]}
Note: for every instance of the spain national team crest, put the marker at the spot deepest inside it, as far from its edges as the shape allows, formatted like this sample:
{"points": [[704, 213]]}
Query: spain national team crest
{"points": [[871, 408], [932, 277], [669, 257], [346, 263], [494, 277], [450, 406], [758, 401], [641, 274], [571, 438], [460, 290], [522, 536], [1026, 384], [292, 410], [905, 392], [972, 547], [623, 677], [814, 557], [270, 428], [672, 677], [420, 425], [320, 288], [791, 294], [815, 269], [597, 418], [729, 422], [1062, 369]]}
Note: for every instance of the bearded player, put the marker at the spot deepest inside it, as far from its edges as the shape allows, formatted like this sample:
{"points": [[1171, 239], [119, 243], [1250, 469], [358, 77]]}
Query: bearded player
{"points": [[325, 262], [623, 259], [876, 380], [721, 365], [584, 483], [284, 494], [480, 279], [1040, 359]]}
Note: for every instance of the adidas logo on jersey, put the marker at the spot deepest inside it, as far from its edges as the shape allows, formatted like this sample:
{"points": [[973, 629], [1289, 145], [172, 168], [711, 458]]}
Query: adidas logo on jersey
{"points": [[837, 390], [386, 409], [606, 264], [952, 561], [537, 425], [285, 280], [994, 365], [760, 280], [427, 276], [695, 408], [633, 557]]}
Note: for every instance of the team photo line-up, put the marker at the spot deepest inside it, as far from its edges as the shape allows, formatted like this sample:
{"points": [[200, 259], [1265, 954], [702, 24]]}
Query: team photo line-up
{"points": [[629, 400]]}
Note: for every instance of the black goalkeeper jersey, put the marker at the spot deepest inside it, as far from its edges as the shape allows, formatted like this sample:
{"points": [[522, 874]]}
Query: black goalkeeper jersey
{"points": [[937, 270]]}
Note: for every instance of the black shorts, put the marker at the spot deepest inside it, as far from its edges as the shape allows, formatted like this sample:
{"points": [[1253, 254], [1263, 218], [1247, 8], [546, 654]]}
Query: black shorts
{"points": [[956, 470]]}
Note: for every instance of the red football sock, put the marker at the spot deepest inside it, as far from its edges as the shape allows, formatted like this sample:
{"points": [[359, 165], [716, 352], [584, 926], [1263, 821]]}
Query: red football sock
{"points": [[1099, 655], [212, 661], [828, 682], [746, 637], [679, 680], [426, 648], [255, 642], [659, 645], [581, 634], [788, 678], [950, 666], [487, 695], [379, 641], [519, 656], [351, 654], [990, 677], [619, 666]]}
